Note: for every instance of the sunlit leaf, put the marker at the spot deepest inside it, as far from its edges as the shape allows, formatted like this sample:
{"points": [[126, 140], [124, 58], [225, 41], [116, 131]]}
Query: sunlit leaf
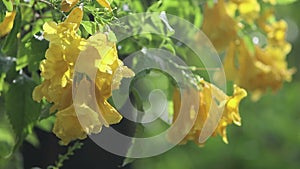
{"points": [[111, 36], [8, 4], [89, 26]]}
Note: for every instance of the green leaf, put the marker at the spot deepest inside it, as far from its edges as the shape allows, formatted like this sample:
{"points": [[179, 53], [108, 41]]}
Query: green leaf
{"points": [[8, 4], [6, 140], [22, 61], [33, 140], [137, 6], [229, 88], [2, 82], [6, 149], [15, 161], [21, 109], [127, 48], [37, 53], [2, 12], [46, 124], [198, 17], [112, 37], [30, 55], [89, 26], [11, 74], [17, 2], [170, 47], [23, 54]]}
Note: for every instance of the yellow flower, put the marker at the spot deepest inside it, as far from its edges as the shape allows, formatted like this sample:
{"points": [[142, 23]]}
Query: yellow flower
{"points": [[268, 67], [67, 126], [248, 9], [93, 111], [104, 58], [89, 110], [57, 71], [67, 5], [231, 112], [219, 26], [275, 30], [262, 21], [276, 36], [7, 24], [267, 64], [104, 3], [57, 68], [213, 104]]}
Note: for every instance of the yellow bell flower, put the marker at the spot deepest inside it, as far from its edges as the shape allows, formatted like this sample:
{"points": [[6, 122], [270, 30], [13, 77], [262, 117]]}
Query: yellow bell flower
{"points": [[213, 101], [67, 5], [57, 69], [274, 30], [67, 126], [7, 24], [231, 112], [219, 26], [104, 3], [276, 36], [89, 110], [268, 67]]}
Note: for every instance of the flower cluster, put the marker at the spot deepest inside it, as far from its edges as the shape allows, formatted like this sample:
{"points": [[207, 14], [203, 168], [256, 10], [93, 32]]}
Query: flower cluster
{"points": [[252, 66], [80, 92], [81, 111], [213, 102]]}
